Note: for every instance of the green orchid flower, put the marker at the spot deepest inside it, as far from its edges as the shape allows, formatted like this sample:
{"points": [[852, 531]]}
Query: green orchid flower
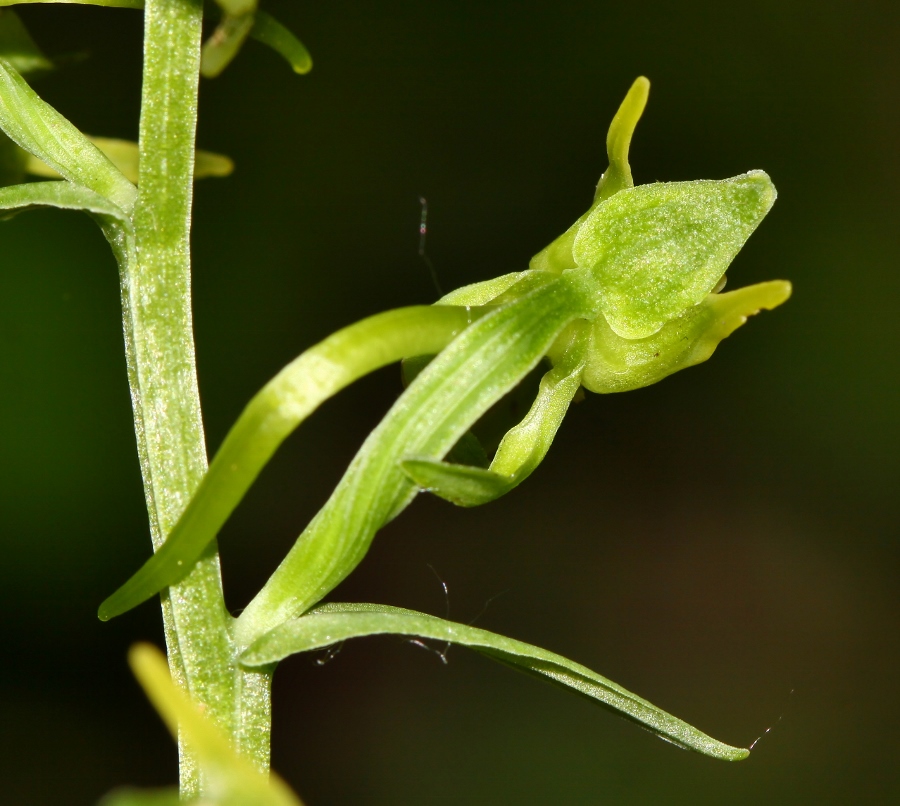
{"points": [[626, 296], [629, 295]]}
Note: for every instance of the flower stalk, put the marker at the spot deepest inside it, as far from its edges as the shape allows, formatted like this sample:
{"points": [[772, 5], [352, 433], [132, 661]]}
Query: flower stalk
{"points": [[163, 379]]}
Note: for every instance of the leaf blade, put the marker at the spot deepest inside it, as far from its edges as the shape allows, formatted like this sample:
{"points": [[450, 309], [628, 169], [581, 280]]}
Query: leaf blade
{"points": [[463, 485], [61, 194], [224, 43], [330, 624], [38, 128]]}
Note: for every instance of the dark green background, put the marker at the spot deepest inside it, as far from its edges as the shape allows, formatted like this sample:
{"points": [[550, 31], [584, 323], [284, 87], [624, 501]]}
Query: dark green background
{"points": [[724, 543]]}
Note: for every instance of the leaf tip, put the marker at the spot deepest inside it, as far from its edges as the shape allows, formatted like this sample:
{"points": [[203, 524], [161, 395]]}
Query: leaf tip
{"points": [[207, 163], [303, 65], [113, 606]]}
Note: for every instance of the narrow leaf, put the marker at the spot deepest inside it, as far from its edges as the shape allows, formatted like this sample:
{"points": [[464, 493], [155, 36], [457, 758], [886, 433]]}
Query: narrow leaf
{"points": [[62, 194], [487, 292], [269, 31], [482, 293], [208, 163], [523, 447], [42, 131], [463, 485], [282, 404], [229, 779], [332, 623]]}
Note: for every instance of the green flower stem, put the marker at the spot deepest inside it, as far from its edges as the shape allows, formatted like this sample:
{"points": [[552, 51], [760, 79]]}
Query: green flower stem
{"points": [[162, 374]]}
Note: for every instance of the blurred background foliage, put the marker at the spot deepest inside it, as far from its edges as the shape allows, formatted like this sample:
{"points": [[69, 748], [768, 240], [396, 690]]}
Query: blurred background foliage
{"points": [[724, 543]]}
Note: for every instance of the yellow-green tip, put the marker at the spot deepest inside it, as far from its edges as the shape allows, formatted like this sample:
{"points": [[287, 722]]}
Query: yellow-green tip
{"points": [[621, 130], [618, 140], [224, 770]]}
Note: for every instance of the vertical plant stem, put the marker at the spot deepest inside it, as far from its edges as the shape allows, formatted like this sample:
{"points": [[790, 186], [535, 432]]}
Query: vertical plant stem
{"points": [[162, 374]]}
